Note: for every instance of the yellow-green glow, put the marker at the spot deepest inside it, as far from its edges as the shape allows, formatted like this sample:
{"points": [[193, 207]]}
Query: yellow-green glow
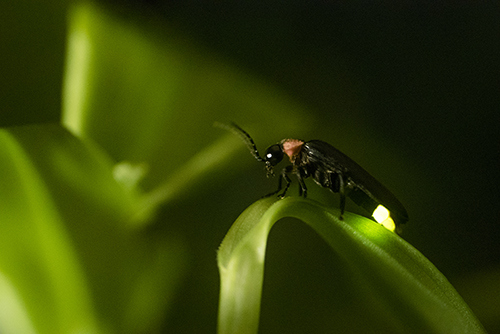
{"points": [[389, 224], [382, 216]]}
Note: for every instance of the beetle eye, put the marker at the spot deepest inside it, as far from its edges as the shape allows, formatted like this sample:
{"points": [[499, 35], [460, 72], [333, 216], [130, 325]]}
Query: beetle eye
{"points": [[274, 154]]}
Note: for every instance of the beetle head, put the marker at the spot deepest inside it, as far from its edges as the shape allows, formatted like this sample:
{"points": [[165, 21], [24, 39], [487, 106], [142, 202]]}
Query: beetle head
{"points": [[274, 155]]}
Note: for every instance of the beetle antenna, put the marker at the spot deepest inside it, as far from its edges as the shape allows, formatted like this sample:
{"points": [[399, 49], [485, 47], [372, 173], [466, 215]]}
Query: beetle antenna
{"points": [[234, 128]]}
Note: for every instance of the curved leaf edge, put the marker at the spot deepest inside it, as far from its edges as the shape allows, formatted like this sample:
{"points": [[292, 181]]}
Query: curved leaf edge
{"points": [[417, 295]]}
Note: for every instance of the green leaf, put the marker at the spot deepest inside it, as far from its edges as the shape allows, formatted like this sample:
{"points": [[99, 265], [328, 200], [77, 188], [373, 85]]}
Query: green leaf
{"points": [[412, 294], [38, 258], [149, 97], [71, 259]]}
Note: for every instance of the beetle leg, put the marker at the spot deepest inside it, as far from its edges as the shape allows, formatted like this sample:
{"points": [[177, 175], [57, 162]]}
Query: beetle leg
{"points": [[342, 195], [283, 176], [302, 184]]}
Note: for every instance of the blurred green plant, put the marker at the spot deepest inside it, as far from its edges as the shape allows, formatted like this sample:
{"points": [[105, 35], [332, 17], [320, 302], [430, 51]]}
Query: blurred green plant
{"points": [[77, 199], [68, 252]]}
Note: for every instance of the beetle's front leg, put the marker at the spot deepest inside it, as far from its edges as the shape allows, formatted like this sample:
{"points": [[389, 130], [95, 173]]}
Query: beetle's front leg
{"points": [[283, 176]]}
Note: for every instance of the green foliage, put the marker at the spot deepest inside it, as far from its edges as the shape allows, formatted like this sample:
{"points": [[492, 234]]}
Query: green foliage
{"points": [[68, 248], [79, 201], [412, 295]]}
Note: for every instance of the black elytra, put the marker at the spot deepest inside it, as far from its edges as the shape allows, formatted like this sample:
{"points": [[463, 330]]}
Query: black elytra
{"points": [[329, 168]]}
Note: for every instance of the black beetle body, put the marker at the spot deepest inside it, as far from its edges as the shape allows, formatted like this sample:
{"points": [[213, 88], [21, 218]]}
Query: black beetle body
{"points": [[332, 169]]}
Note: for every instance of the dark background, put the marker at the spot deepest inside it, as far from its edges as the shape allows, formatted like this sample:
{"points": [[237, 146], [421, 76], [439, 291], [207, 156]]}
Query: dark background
{"points": [[422, 78]]}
